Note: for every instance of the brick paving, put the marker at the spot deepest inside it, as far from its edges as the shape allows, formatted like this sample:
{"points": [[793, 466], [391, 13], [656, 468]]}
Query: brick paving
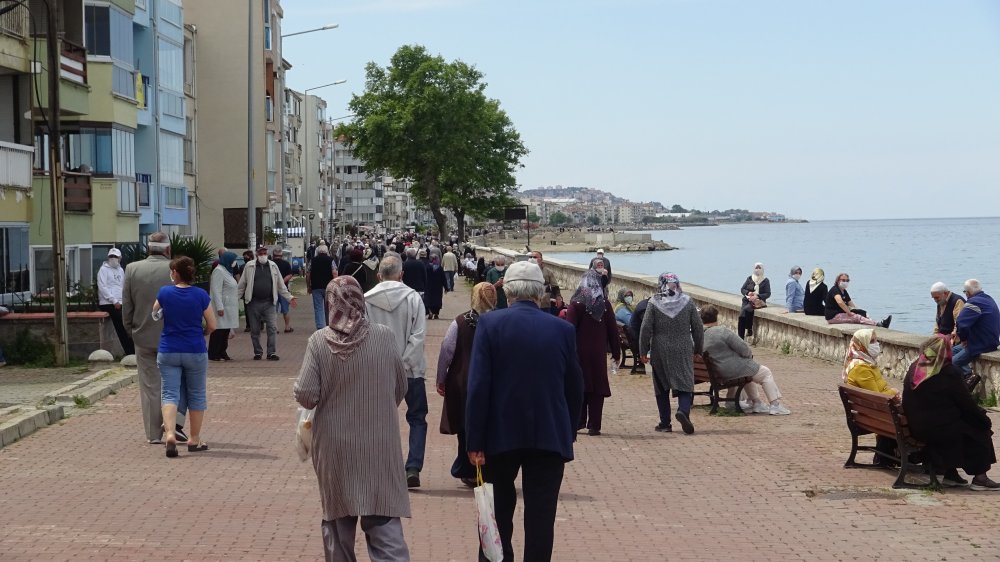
{"points": [[21, 385], [741, 488]]}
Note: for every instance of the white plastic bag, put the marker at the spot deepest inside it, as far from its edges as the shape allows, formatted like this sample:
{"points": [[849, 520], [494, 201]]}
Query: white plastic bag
{"points": [[489, 534], [303, 433]]}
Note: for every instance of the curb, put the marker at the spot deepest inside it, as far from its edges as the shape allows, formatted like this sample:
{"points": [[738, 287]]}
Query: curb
{"points": [[89, 390], [27, 422]]}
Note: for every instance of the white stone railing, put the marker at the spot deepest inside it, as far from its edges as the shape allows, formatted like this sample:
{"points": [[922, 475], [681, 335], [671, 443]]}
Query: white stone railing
{"points": [[795, 333], [15, 165]]}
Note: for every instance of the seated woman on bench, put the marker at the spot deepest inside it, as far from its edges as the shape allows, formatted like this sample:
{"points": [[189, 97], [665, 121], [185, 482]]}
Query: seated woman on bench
{"points": [[861, 370], [732, 357], [944, 415]]}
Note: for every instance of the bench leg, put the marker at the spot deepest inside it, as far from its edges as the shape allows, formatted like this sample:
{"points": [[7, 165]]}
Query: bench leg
{"points": [[713, 396], [851, 462], [736, 401]]}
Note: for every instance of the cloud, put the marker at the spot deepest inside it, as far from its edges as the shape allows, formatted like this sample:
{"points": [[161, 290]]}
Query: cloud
{"points": [[382, 7]]}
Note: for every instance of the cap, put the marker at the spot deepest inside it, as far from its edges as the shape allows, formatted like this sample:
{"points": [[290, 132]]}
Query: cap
{"points": [[600, 250], [262, 250], [114, 252], [278, 251], [524, 271]]}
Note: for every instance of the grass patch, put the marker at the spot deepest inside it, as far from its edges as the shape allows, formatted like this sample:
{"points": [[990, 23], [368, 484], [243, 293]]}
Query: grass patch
{"points": [[81, 401], [727, 413], [989, 401], [786, 347], [29, 350]]}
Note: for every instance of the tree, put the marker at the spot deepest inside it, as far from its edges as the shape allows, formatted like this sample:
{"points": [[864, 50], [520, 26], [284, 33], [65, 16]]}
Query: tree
{"points": [[594, 220], [678, 209], [557, 218], [533, 217], [427, 119]]}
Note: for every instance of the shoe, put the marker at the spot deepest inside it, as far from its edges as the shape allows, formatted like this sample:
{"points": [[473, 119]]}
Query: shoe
{"points": [[779, 410], [216, 359], [412, 478], [247, 329], [972, 381], [951, 479], [198, 448], [664, 428], [885, 322], [181, 436], [686, 424], [226, 357], [758, 408], [593, 432], [171, 450], [982, 483], [272, 357], [289, 330], [257, 357]]}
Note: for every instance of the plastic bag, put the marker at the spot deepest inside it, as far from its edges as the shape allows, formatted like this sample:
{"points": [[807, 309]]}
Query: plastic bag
{"points": [[303, 433], [489, 534]]}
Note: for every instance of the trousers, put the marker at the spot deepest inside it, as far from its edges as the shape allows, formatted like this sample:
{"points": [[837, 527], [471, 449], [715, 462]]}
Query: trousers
{"points": [[384, 536], [684, 401], [262, 312], [116, 319], [416, 418], [765, 379], [593, 411]]}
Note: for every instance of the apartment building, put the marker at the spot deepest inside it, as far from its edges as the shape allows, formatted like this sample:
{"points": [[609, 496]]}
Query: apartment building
{"points": [[360, 191]]}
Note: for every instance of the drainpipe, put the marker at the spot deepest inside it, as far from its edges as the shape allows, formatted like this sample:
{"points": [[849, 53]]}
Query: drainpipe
{"points": [[158, 211]]}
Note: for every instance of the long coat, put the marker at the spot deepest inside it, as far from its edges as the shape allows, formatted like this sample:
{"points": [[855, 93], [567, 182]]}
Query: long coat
{"points": [[457, 379], [593, 338], [356, 447], [672, 343], [223, 293], [434, 291]]}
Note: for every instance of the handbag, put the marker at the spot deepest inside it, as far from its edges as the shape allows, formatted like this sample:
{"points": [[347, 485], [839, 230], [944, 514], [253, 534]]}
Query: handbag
{"points": [[756, 302], [489, 534]]}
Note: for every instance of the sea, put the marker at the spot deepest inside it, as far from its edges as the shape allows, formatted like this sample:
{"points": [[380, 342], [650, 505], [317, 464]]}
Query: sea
{"points": [[892, 263]]}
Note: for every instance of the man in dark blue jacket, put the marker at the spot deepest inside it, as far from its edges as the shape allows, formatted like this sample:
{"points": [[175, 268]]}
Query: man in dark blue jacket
{"points": [[978, 327], [525, 393]]}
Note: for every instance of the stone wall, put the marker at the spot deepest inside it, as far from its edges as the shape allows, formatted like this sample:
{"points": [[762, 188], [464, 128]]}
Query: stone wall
{"points": [[84, 329], [799, 334]]}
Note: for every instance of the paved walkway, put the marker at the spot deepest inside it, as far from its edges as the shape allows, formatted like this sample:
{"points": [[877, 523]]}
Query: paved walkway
{"points": [[741, 488]]}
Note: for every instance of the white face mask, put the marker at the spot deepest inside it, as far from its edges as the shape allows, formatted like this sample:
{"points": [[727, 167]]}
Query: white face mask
{"points": [[874, 350], [113, 262], [797, 276], [843, 285], [533, 260], [628, 300], [262, 259], [501, 267]]}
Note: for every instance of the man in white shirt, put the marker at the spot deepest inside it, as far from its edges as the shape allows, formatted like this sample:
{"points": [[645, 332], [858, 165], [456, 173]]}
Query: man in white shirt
{"points": [[110, 281]]}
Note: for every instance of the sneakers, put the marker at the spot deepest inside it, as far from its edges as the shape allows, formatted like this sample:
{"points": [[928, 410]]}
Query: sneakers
{"points": [[779, 410], [272, 357], [982, 483], [951, 479], [759, 408], [885, 322], [663, 428], [685, 421], [181, 436], [972, 381], [412, 478], [257, 357]]}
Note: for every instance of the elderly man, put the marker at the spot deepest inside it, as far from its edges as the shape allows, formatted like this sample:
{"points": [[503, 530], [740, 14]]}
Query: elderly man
{"points": [[110, 283], [259, 288], [525, 393], [949, 305], [495, 277], [553, 300], [393, 304], [449, 263], [143, 280], [322, 270], [414, 271], [600, 258], [978, 328]]}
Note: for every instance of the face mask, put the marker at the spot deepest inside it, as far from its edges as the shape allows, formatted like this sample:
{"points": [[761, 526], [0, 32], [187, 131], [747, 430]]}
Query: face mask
{"points": [[758, 271], [628, 300], [262, 259], [501, 267], [843, 285], [797, 276], [874, 349], [113, 262], [533, 260]]}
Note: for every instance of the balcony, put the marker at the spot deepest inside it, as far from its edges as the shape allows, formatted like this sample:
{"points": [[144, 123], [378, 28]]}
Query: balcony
{"points": [[73, 62], [15, 22], [269, 109], [15, 165], [78, 193]]}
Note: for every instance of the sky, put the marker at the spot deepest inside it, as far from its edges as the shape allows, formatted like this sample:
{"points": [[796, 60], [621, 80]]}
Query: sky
{"points": [[818, 109]]}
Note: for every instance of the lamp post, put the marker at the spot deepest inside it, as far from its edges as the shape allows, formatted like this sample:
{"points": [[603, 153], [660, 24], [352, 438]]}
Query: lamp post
{"points": [[324, 28], [308, 141]]}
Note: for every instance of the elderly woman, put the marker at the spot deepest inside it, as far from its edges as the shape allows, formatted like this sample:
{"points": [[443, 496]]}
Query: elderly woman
{"points": [[624, 307], [670, 335], [353, 376], [756, 290], [944, 415], [225, 304], [453, 375], [839, 308], [596, 332], [435, 288], [861, 370], [794, 295], [815, 295]]}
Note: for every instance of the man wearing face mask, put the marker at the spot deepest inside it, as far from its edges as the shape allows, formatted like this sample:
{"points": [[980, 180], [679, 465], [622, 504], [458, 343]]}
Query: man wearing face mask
{"points": [[553, 300], [110, 281], [259, 287], [949, 306], [495, 277], [794, 294]]}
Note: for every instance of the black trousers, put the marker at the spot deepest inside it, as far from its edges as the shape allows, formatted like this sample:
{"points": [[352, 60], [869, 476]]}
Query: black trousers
{"points": [[116, 318], [540, 483], [744, 325], [218, 344]]}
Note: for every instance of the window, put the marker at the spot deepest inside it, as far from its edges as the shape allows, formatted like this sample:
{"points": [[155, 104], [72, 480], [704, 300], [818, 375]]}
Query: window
{"points": [[171, 104], [108, 33], [142, 182], [189, 146], [92, 148], [189, 70], [123, 81], [79, 267], [171, 159], [174, 196], [171, 65], [14, 263], [171, 12], [127, 197]]}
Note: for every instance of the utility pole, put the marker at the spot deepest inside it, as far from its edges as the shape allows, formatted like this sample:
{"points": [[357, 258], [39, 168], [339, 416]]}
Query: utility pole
{"points": [[61, 343], [252, 112]]}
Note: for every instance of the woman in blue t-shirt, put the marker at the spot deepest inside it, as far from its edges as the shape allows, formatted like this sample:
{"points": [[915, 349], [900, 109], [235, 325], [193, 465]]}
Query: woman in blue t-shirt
{"points": [[182, 355]]}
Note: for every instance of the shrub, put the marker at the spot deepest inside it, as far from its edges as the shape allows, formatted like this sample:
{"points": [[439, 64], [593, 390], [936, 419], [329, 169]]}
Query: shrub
{"points": [[29, 350]]}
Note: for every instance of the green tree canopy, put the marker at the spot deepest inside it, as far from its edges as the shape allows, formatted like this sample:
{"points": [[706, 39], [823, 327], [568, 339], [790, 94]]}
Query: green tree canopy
{"points": [[558, 218]]}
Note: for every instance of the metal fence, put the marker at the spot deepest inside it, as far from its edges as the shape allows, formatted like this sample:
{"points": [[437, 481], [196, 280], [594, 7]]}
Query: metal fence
{"points": [[15, 22]]}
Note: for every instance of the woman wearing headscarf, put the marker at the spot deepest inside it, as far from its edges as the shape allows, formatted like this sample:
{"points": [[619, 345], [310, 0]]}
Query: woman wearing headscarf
{"points": [[434, 290], [596, 332], [453, 375], [815, 295], [624, 307], [670, 335], [353, 375], [756, 290], [943, 414], [225, 304], [861, 370], [794, 295]]}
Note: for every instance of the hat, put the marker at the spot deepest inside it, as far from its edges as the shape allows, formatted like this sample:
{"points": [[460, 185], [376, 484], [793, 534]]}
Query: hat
{"points": [[262, 250], [114, 252], [524, 271], [278, 251], [600, 250]]}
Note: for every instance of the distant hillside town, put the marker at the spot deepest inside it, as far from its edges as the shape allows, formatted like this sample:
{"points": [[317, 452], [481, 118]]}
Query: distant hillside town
{"points": [[558, 205]]}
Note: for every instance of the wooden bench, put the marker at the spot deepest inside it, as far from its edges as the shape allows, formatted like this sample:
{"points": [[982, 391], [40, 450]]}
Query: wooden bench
{"points": [[872, 412], [705, 372], [626, 348]]}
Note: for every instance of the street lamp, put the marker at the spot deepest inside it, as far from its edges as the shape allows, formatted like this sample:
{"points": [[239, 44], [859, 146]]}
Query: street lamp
{"points": [[308, 141], [324, 28]]}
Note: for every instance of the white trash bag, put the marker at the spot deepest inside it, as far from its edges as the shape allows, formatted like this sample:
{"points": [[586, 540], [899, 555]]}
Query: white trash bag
{"points": [[303, 433], [489, 534]]}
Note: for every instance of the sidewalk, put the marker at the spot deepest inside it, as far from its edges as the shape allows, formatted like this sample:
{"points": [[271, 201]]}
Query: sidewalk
{"points": [[740, 488]]}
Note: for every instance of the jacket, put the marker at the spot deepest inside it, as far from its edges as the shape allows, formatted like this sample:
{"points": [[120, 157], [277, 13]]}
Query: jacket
{"points": [[415, 274], [731, 356], [794, 296], [143, 280], [277, 283], [525, 387], [449, 262], [401, 309], [222, 289], [110, 283], [978, 324]]}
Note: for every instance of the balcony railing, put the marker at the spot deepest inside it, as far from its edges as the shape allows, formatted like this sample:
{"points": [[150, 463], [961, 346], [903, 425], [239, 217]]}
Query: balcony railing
{"points": [[15, 22], [73, 62], [77, 189], [269, 108], [15, 165]]}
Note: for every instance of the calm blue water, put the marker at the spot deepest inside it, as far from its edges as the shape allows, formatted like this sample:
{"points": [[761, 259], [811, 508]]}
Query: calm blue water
{"points": [[892, 263]]}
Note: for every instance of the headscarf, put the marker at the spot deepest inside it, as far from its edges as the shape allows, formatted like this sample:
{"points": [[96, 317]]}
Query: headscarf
{"points": [[857, 351], [484, 299], [670, 299], [348, 323], [816, 279], [934, 355], [620, 300], [757, 279], [226, 260], [590, 294]]}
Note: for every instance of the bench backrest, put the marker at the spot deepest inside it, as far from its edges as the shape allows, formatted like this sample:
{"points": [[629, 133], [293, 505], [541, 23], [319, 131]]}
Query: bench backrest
{"points": [[701, 370], [872, 412]]}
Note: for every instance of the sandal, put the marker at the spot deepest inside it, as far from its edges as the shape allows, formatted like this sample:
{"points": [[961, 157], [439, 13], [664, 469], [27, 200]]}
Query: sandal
{"points": [[289, 330], [197, 448], [171, 448]]}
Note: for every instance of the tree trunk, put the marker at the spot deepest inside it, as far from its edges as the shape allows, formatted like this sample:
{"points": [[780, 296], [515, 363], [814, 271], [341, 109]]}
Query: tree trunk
{"points": [[460, 219], [434, 202]]}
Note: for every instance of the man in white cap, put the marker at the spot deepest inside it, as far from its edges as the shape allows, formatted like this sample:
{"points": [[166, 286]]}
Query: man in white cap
{"points": [[949, 305], [110, 281], [600, 257], [525, 393]]}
